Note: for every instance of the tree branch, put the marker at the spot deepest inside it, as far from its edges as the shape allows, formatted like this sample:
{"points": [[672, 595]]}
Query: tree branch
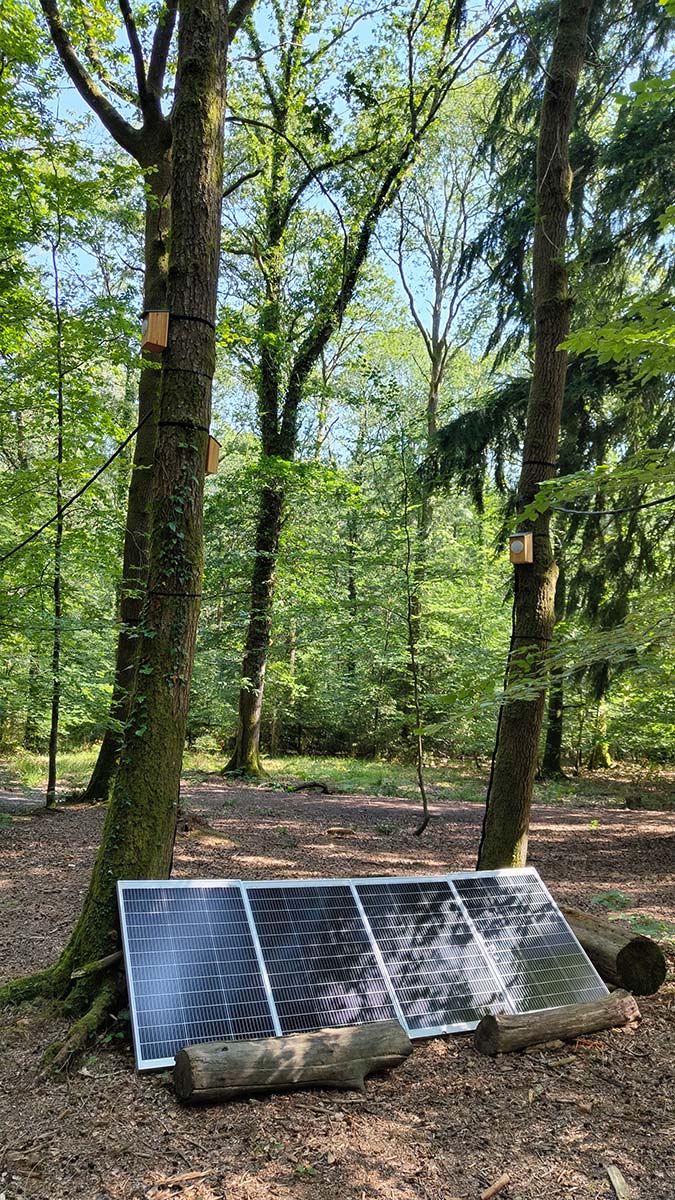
{"points": [[136, 50], [124, 134], [240, 10], [242, 179], [161, 44]]}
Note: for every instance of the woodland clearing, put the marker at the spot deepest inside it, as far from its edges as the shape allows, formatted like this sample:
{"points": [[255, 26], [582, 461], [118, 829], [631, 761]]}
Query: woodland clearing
{"points": [[446, 1124]]}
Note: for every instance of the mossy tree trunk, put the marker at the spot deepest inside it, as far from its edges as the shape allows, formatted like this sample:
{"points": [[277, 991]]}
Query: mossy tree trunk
{"points": [[137, 526], [150, 145], [138, 834], [507, 815], [600, 756], [246, 756]]}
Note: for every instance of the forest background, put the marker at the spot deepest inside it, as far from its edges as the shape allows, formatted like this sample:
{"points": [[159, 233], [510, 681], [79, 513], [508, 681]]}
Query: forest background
{"points": [[383, 611]]}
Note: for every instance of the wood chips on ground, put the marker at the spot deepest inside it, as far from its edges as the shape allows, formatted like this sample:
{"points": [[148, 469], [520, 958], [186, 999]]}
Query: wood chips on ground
{"points": [[444, 1126]]}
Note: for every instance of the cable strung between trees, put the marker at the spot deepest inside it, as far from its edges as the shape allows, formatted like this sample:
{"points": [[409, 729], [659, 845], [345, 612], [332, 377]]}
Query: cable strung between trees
{"points": [[612, 512], [76, 495]]}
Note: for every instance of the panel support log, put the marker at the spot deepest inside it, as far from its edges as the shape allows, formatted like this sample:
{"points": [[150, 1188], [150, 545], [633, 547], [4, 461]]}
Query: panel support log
{"points": [[337, 1058], [502, 1033], [620, 956]]}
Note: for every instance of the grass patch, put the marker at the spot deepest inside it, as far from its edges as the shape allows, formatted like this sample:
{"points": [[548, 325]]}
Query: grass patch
{"points": [[25, 770], [462, 781], [373, 778]]}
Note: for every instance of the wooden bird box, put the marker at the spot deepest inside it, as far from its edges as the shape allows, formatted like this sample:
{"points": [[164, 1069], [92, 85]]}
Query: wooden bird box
{"points": [[155, 330], [212, 456], [520, 548]]}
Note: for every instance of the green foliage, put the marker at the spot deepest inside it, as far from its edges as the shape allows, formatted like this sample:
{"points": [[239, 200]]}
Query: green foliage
{"points": [[618, 904], [338, 679]]}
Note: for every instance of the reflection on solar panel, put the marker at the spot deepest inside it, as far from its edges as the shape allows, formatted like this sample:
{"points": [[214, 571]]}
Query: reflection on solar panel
{"points": [[192, 971], [319, 959], [532, 946], [220, 960], [440, 973]]}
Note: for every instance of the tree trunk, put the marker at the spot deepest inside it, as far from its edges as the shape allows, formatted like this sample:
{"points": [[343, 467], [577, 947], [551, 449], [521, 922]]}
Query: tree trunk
{"points": [[138, 835], [246, 756], [600, 756], [58, 542], [552, 762], [507, 815], [502, 1033], [137, 528]]}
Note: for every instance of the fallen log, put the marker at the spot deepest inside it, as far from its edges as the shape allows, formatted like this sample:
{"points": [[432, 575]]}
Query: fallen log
{"points": [[311, 785], [504, 1032], [337, 1058], [620, 956]]}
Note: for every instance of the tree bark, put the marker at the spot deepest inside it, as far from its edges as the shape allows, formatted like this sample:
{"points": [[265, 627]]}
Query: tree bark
{"points": [[50, 802], [619, 955], [137, 527], [339, 1058], [31, 731], [246, 756], [551, 767], [600, 756], [507, 816], [502, 1033]]}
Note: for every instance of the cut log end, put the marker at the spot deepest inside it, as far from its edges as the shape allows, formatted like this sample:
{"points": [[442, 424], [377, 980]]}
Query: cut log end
{"points": [[327, 1058], [641, 966], [622, 957], [502, 1033]]}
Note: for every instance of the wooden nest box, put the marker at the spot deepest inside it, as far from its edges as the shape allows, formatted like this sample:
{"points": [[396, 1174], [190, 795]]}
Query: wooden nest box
{"points": [[155, 330], [520, 548], [212, 456]]}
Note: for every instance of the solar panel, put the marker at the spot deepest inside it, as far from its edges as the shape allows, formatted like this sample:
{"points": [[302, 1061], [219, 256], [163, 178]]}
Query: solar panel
{"points": [[440, 974], [531, 945], [319, 959], [221, 960], [192, 969]]}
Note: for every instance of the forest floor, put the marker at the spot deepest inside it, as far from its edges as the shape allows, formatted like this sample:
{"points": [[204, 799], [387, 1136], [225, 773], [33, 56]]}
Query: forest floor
{"points": [[442, 1127]]}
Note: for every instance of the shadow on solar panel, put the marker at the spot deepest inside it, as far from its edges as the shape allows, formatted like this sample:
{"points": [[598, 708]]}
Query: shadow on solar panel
{"points": [[532, 947], [441, 977], [319, 960]]}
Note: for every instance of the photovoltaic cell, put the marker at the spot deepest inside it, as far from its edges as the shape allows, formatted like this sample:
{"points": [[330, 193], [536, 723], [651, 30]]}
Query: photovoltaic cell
{"points": [[192, 969], [319, 960], [440, 975], [531, 945]]}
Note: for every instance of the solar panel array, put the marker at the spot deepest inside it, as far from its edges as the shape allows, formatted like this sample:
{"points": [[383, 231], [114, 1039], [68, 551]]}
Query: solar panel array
{"points": [[214, 960]]}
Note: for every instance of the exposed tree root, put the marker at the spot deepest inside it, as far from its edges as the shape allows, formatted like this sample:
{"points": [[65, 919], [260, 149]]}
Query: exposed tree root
{"points": [[43, 985], [58, 1055], [247, 772], [81, 993]]}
